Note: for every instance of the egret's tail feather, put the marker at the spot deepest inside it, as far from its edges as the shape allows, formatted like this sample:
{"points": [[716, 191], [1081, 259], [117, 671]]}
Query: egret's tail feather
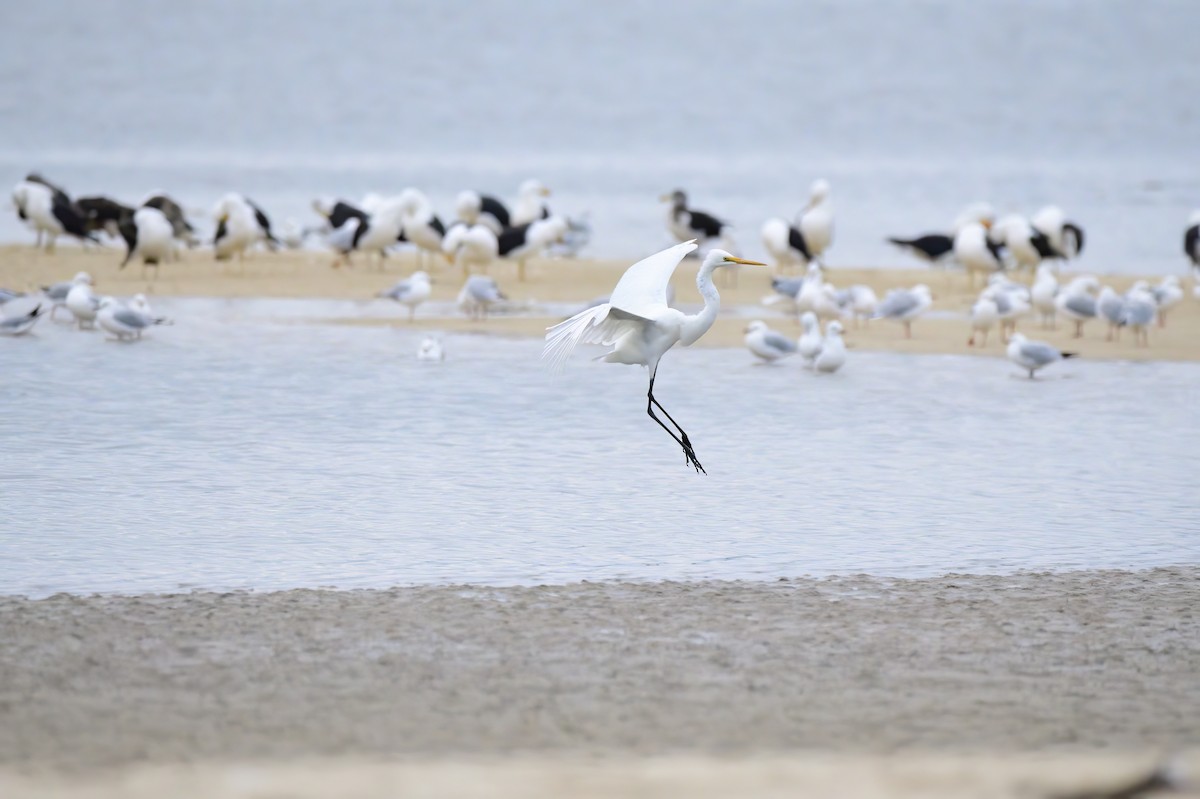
{"points": [[563, 338]]}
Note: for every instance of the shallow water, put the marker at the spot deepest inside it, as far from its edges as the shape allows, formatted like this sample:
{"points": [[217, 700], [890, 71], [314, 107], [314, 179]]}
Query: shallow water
{"points": [[911, 110], [236, 451]]}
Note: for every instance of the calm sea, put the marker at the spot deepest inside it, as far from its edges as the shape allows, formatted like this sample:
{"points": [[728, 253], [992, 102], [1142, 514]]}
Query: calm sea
{"points": [[911, 109], [243, 449]]}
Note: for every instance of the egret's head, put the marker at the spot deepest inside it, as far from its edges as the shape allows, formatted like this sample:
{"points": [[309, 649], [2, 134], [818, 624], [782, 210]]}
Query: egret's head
{"points": [[834, 328], [716, 258], [756, 326]]}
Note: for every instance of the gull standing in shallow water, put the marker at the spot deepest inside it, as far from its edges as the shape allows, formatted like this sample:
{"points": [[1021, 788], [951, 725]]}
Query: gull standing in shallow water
{"points": [[767, 344], [833, 350], [1033, 355], [125, 323], [640, 327], [20, 325], [810, 340], [478, 295]]}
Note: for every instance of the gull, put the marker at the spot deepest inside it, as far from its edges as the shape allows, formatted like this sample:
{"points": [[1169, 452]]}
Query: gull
{"points": [[767, 344], [478, 295], [1139, 312], [641, 328], [57, 293], [22, 324], [1033, 355], [1167, 295], [410, 292], [1010, 306], [1043, 294], [810, 341], [984, 316], [863, 303], [1110, 306], [905, 305], [431, 350], [1077, 303], [83, 304], [125, 323], [833, 350]]}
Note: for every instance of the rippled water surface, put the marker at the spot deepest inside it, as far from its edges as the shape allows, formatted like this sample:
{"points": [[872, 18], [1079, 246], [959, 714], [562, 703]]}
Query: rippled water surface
{"points": [[910, 109], [240, 449]]}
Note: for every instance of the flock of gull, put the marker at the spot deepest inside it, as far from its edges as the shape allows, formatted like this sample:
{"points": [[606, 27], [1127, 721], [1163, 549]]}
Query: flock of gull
{"points": [[994, 249]]}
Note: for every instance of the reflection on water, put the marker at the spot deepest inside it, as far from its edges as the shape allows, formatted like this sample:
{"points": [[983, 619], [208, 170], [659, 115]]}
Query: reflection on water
{"points": [[234, 452]]}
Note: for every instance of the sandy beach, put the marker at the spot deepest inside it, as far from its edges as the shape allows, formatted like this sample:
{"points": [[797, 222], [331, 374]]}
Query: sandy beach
{"points": [[919, 686], [308, 275]]}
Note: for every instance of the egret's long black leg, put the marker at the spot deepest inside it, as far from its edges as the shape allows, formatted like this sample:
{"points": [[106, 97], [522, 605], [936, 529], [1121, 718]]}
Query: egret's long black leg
{"points": [[682, 439]]}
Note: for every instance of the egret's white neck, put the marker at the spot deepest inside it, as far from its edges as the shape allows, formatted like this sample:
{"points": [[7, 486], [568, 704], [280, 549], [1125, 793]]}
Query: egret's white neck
{"points": [[697, 325]]}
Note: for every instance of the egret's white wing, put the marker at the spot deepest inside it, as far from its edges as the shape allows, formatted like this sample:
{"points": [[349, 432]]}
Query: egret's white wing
{"points": [[644, 285], [601, 324]]}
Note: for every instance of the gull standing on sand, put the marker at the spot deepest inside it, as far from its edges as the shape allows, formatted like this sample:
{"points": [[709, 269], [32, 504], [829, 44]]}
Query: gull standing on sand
{"points": [[1110, 307], [1016, 235], [1139, 312], [1167, 295], [410, 292], [1033, 355], [336, 213], [83, 305], [431, 350], [766, 343], [934, 248], [863, 303], [530, 240], [641, 328], [815, 220], [984, 316], [238, 227], [481, 209], [687, 224], [420, 224], [383, 228], [149, 235], [905, 305], [47, 210], [1043, 293], [125, 323], [478, 295], [785, 292], [1061, 239], [1011, 305], [1077, 303], [976, 251], [21, 324], [474, 246], [1191, 243], [531, 203], [833, 350], [810, 341]]}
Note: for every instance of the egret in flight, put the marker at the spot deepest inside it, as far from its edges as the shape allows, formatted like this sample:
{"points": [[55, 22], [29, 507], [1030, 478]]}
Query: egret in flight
{"points": [[639, 325]]}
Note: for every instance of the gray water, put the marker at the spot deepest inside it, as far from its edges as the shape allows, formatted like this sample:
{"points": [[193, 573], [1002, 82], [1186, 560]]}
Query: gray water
{"points": [[910, 109], [243, 449]]}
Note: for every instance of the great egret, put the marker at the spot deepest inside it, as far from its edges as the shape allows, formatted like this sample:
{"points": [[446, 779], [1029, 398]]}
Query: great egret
{"points": [[1033, 355], [641, 327]]}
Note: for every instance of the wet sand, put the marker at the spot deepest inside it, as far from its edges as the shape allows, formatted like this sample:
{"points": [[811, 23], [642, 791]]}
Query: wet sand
{"points": [[308, 275], [736, 684]]}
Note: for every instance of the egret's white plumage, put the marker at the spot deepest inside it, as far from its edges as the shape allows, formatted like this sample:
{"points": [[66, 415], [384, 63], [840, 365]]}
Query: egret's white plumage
{"points": [[639, 325]]}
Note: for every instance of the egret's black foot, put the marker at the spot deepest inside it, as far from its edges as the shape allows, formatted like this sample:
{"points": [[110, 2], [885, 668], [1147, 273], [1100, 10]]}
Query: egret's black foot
{"points": [[690, 458]]}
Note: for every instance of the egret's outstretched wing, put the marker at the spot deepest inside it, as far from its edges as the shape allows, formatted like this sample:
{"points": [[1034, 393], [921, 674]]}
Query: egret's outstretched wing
{"points": [[644, 285], [601, 324]]}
